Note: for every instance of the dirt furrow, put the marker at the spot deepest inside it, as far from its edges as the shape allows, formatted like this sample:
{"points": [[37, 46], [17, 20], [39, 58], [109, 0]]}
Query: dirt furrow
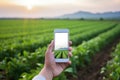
{"points": [[92, 71]]}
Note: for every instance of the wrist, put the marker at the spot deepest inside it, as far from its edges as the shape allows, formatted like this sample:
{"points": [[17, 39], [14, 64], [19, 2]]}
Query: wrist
{"points": [[47, 73]]}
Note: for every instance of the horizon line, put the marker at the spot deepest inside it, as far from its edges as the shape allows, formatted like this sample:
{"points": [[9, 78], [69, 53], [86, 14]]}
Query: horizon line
{"points": [[56, 16]]}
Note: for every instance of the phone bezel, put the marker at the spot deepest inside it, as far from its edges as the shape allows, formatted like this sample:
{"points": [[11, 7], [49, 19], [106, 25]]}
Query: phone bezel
{"points": [[61, 31]]}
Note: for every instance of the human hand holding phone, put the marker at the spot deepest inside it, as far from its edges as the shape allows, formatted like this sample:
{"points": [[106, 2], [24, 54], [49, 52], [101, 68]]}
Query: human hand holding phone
{"points": [[51, 68], [61, 45]]}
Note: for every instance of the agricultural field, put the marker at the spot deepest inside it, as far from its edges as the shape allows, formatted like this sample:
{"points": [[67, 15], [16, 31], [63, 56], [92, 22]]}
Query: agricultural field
{"points": [[23, 44]]}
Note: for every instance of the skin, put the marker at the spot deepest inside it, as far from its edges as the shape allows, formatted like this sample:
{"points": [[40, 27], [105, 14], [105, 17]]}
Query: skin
{"points": [[52, 69]]}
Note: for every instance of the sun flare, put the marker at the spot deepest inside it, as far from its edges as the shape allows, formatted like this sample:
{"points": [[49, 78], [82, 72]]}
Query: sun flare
{"points": [[30, 3], [29, 7], [27, 3]]}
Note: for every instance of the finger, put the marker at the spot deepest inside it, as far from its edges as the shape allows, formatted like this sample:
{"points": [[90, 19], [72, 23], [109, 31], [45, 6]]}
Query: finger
{"points": [[69, 62], [51, 46], [70, 48], [65, 65], [70, 43], [70, 54]]}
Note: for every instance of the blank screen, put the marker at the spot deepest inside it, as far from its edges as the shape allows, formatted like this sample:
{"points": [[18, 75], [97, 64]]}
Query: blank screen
{"points": [[61, 41]]}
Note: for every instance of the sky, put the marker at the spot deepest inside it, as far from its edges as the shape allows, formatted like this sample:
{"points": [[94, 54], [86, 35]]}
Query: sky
{"points": [[61, 41], [53, 8]]}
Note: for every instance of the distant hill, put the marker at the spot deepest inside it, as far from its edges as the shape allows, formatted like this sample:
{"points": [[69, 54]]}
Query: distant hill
{"points": [[89, 15]]}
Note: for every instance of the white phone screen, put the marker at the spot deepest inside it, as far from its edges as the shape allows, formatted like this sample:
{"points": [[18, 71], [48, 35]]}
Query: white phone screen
{"points": [[61, 41], [61, 45]]}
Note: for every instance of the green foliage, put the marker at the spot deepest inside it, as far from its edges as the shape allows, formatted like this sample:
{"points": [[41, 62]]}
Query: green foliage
{"points": [[84, 52], [87, 49], [34, 72], [23, 44], [61, 54], [78, 33], [61, 77], [112, 69], [23, 63]]}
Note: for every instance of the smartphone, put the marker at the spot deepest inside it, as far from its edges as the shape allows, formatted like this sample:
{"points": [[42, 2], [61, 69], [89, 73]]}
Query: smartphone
{"points": [[61, 45]]}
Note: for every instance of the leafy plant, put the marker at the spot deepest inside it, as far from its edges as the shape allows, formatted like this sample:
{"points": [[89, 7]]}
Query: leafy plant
{"points": [[112, 69]]}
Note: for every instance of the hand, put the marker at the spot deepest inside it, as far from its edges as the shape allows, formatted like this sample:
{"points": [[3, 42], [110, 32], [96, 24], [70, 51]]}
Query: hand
{"points": [[51, 68]]}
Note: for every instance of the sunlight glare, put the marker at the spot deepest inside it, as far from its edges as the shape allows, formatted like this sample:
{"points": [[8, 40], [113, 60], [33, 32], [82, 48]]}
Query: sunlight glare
{"points": [[30, 3], [29, 7]]}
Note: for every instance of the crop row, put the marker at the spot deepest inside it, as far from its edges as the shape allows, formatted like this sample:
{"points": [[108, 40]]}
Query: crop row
{"points": [[80, 27], [86, 50], [32, 44], [112, 69], [79, 38], [31, 27]]}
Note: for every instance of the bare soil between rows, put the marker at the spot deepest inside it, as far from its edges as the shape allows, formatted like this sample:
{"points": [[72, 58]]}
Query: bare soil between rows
{"points": [[99, 60]]}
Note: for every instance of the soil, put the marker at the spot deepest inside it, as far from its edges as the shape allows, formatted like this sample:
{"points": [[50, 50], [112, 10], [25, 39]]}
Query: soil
{"points": [[92, 71]]}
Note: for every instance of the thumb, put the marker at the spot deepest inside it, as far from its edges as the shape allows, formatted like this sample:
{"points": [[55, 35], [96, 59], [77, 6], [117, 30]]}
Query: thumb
{"points": [[50, 48], [49, 57]]}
